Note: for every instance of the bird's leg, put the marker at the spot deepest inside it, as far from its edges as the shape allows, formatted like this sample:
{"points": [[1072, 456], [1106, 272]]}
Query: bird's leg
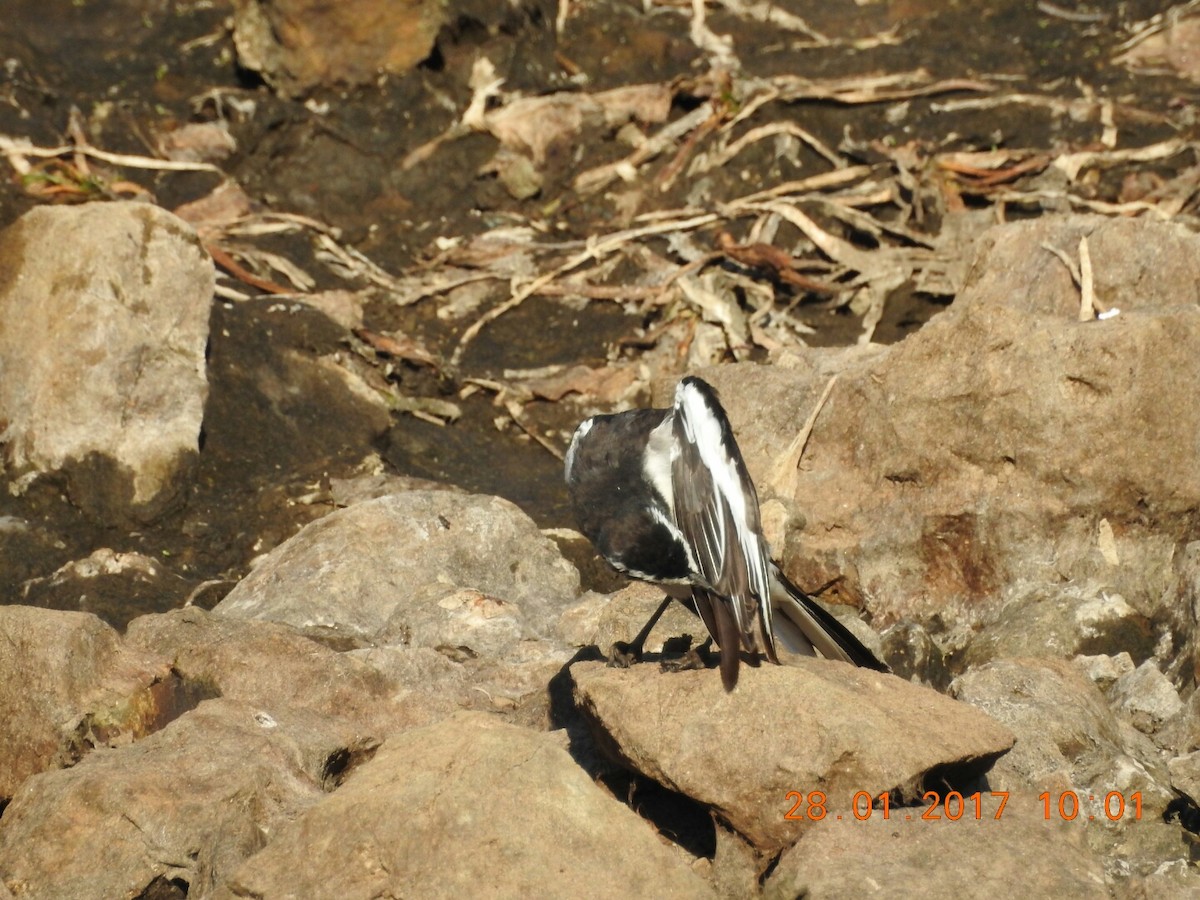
{"points": [[623, 655], [696, 658]]}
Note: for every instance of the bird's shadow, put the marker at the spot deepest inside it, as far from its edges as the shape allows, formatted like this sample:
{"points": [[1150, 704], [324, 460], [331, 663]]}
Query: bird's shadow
{"points": [[676, 816]]}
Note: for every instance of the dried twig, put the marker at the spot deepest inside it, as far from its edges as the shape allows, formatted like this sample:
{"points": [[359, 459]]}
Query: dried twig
{"points": [[234, 268], [595, 250], [517, 412], [1081, 275], [783, 479], [1087, 288], [16, 151]]}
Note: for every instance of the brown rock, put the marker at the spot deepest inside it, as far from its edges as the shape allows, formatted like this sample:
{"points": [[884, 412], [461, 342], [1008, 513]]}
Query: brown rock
{"points": [[1069, 737], [297, 45], [178, 810], [1062, 621], [967, 858], [1069, 740], [268, 665], [465, 806], [380, 690], [980, 453], [66, 685], [814, 725], [601, 621]]}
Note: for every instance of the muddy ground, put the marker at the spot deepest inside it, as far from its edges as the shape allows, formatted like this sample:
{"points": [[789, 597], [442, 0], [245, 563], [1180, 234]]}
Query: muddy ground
{"points": [[135, 70]]}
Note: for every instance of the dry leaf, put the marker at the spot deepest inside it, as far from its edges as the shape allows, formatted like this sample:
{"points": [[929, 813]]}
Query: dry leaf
{"points": [[605, 385]]}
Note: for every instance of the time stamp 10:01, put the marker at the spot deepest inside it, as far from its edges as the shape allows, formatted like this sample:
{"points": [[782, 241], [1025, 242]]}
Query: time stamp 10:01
{"points": [[953, 806]]}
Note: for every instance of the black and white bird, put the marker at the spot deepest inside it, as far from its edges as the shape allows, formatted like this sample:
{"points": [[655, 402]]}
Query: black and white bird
{"points": [[665, 497]]}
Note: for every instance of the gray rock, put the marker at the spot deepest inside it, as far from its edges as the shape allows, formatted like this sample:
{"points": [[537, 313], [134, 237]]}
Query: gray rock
{"points": [[1182, 734], [468, 805], [1177, 878], [271, 666], [1185, 773], [1068, 739], [1062, 621], [1063, 724], [1021, 850], [1147, 697], [130, 304], [440, 615], [600, 621], [185, 806], [348, 491], [379, 565], [812, 725], [379, 690], [67, 684], [1103, 670]]}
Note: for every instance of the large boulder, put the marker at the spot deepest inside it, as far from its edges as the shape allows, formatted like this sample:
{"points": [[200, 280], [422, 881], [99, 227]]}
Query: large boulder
{"points": [[467, 806], [1005, 445], [421, 568], [102, 351], [171, 815]]}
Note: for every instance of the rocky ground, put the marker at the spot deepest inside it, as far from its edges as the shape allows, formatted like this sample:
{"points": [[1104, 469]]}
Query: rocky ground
{"points": [[299, 308]]}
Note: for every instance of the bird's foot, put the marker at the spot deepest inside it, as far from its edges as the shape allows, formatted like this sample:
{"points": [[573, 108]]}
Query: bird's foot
{"points": [[695, 658], [622, 655], [690, 660]]}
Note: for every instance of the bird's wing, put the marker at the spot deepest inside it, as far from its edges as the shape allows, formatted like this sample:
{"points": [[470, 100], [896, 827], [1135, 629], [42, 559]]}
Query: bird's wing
{"points": [[716, 509]]}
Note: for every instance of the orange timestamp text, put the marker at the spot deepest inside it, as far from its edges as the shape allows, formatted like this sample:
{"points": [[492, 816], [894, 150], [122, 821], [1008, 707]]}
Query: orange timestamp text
{"points": [[954, 805]]}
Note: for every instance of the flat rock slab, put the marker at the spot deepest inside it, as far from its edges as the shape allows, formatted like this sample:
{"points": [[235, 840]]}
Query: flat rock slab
{"points": [[103, 326], [468, 807], [815, 726]]}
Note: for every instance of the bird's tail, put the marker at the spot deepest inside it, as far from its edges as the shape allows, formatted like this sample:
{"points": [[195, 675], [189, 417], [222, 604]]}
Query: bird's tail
{"points": [[805, 627], [717, 614]]}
